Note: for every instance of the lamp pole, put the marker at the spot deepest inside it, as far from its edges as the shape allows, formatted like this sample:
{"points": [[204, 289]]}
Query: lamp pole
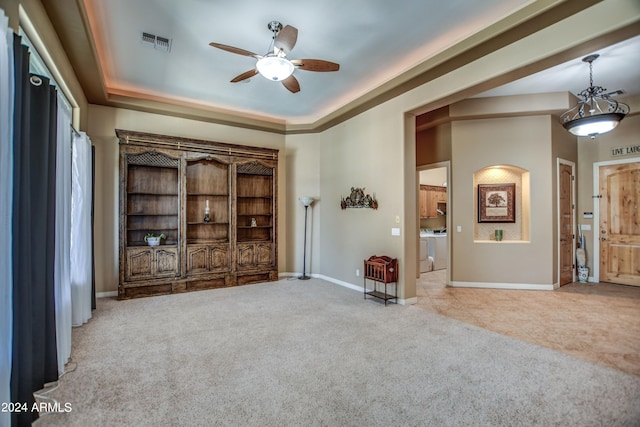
{"points": [[306, 201]]}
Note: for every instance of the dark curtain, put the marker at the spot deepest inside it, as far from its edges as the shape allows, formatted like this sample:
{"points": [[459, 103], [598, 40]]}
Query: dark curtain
{"points": [[93, 245], [34, 326]]}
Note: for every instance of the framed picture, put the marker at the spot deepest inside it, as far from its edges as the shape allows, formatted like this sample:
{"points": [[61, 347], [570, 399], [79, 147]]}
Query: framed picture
{"points": [[496, 203]]}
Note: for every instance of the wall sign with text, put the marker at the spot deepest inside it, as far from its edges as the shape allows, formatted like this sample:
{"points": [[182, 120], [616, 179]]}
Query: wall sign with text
{"points": [[623, 151]]}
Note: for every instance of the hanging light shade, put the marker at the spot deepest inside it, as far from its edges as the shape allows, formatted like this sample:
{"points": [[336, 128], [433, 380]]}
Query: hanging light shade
{"points": [[595, 113]]}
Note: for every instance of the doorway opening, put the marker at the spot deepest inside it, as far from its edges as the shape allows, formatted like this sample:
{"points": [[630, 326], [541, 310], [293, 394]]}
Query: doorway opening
{"points": [[433, 213]]}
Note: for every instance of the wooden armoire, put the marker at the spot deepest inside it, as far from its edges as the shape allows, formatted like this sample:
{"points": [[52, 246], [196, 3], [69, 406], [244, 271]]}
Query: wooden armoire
{"points": [[215, 204]]}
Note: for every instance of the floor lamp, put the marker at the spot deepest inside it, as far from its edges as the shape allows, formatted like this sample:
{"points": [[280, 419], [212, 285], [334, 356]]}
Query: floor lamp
{"points": [[306, 202]]}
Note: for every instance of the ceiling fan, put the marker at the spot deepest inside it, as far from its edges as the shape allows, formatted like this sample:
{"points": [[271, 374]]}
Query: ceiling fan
{"points": [[274, 65]]}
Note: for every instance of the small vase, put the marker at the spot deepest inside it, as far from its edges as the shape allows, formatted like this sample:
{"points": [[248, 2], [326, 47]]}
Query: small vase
{"points": [[498, 234]]}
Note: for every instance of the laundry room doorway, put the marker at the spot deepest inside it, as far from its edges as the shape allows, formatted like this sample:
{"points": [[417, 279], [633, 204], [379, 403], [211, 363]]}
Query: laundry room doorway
{"points": [[433, 206]]}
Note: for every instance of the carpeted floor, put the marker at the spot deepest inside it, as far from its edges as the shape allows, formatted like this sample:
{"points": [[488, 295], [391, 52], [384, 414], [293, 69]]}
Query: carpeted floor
{"points": [[314, 353]]}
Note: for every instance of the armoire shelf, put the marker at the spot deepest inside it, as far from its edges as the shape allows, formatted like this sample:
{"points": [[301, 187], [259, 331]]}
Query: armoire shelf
{"points": [[166, 185]]}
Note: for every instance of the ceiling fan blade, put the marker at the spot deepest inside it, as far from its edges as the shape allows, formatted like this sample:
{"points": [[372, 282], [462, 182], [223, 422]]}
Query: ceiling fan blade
{"points": [[292, 84], [315, 65], [235, 50], [245, 75], [286, 39]]}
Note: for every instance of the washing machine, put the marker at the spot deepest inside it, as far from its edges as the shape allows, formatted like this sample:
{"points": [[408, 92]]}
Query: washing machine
{"points": [[426, 261]]}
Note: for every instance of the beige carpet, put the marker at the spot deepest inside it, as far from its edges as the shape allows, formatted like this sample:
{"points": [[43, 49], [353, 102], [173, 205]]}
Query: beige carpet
{"points": [[313, 353]]}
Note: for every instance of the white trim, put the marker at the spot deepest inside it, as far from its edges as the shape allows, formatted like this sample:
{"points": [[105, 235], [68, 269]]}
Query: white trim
{"points": [[559, 162], [289, 274], [109, 294], [520, 286], [293, 274], [596, 210], [408, 301], [341, 283], [40, 48]]}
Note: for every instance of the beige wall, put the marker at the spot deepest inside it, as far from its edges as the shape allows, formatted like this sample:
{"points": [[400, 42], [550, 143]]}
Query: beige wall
{"points": [[375, 149], [599, 149], [303, 179], [564, 147], [365, 151], [523, 142], [102, 124]]}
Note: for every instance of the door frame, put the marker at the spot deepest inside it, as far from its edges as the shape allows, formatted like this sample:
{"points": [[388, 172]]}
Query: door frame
{"points": [[560, 161], [596, 211], [444, 164]]}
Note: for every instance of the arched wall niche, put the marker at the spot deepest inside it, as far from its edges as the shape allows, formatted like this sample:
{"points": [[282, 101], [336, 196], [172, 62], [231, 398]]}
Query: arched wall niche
{"points": [[514, 232]]}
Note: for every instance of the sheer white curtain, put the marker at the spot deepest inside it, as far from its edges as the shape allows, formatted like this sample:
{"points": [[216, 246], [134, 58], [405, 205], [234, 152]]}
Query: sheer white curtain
{"points": [[81, 229], [6, 208], [62, 275]]}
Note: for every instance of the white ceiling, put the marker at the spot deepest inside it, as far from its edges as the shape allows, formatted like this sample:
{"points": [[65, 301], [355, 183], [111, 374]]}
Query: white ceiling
{"points": [[372, 40], [616, 69]]}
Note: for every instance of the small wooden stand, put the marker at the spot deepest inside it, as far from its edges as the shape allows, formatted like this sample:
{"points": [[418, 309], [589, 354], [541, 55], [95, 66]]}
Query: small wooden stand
{"points": [[381, 269]]}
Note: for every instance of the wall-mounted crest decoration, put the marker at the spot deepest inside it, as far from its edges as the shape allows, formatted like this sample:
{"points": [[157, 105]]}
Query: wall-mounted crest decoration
{"points": [[357, 199]]}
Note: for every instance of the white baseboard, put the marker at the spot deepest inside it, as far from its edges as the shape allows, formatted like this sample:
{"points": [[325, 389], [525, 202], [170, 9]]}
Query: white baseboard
{"points": [[490, 285], [106, 294], [408, 301], [341, 283]]}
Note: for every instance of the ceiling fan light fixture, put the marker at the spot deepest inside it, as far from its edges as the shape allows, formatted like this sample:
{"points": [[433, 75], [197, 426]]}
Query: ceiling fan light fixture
{"points": [[274, 67], [595, 113]]}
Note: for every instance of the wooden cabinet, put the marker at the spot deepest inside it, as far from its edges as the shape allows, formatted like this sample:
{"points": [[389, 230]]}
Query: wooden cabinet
{"points": [[149, 262], [424, 196], [215, 203], [208, 258], [432, 199]]}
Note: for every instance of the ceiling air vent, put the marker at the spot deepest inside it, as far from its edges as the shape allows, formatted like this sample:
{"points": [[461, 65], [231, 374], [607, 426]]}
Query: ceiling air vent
{"points": [[156, 42]]}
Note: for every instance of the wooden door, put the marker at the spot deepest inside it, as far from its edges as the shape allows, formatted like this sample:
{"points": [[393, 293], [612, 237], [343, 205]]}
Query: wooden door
{"points": [[166, 262], [424, 194], [139, 263], [220, 258], [197, 259], [432, 206], [566, 234], [620, 223], [246, 256]]}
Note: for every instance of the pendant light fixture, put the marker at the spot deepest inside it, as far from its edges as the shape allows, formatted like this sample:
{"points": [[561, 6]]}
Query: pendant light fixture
{"points": [[595, 113]]}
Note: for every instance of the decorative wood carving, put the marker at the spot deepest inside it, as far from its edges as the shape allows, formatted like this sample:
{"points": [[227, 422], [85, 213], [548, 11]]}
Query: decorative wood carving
{"points": [[358, 199]]}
